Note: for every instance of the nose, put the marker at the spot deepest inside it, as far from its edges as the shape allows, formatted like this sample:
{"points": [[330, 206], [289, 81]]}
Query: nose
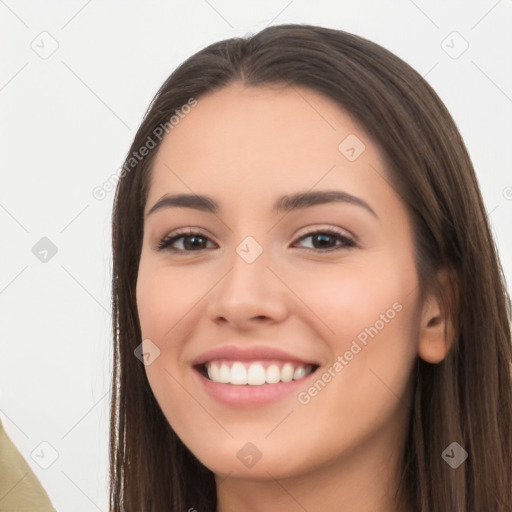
{"points": [[249, 295]]}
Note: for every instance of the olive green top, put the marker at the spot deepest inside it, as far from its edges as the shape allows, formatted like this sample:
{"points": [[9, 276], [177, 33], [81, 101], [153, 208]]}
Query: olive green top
{"points": [[20, 490]]}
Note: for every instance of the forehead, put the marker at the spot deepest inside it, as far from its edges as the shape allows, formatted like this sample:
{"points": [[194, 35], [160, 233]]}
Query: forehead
{"points": [[245, 141]]}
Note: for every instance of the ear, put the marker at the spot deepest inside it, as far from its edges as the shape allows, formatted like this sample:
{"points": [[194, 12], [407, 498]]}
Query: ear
{"points": [[437, 332]]}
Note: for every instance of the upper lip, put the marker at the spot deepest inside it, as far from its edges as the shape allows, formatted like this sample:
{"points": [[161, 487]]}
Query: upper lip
{"points": [[250, 353]]}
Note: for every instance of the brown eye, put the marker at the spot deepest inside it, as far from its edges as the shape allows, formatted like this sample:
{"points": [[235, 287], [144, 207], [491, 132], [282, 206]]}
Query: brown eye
{"points": [[322, 240], [191, 242], [327, 240]]}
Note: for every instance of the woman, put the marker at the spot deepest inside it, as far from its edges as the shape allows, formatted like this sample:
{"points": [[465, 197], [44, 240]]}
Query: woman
{"points": [[303, 266]]}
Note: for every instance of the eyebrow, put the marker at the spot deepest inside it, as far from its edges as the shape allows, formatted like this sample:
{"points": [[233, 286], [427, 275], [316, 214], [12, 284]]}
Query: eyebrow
{"points": [[285, 203]]}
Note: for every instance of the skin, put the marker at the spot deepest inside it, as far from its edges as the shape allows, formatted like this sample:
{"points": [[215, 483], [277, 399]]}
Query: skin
{"points": [[245, 147]]}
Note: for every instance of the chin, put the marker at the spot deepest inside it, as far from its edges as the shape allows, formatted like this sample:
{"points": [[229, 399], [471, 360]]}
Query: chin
{"points": [[248, 462]]}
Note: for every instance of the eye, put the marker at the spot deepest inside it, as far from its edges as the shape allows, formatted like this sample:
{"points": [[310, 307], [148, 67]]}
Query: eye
{"points": [[326, 239], [191, 242]]}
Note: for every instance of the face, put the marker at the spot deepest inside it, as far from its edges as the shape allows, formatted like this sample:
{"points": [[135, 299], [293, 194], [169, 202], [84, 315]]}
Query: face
{"points": [[304, 313]]}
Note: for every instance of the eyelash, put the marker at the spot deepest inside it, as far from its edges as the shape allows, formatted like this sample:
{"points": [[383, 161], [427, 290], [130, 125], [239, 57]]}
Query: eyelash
{"points": [[166, 242]]}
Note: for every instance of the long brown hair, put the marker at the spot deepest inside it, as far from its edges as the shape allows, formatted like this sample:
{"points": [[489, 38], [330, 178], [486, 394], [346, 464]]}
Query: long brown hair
{"points": [[467, 398]]}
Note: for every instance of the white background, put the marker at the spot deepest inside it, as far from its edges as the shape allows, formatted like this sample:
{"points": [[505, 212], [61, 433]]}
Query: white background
{"points": [[67, 122]]}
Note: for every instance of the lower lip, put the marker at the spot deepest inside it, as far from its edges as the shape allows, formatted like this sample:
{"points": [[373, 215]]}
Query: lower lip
{"points": [[249, 396]]}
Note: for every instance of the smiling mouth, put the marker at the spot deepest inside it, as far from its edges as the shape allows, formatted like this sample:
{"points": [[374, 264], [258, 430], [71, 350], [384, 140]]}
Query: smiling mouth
{"points": [[254, 373]]}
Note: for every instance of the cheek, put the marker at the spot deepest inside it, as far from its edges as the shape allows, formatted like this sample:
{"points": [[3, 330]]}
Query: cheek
{"points": [[163, 299], [164, 296], [348, 298], [368, 317], [364, 390]]}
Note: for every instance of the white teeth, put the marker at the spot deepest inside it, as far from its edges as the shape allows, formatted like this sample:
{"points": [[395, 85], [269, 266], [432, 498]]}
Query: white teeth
{"points": [[213, 372], [238, 374], [273, 374], [255, 374], [299, 372], [287, 372], [224, 374]]}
